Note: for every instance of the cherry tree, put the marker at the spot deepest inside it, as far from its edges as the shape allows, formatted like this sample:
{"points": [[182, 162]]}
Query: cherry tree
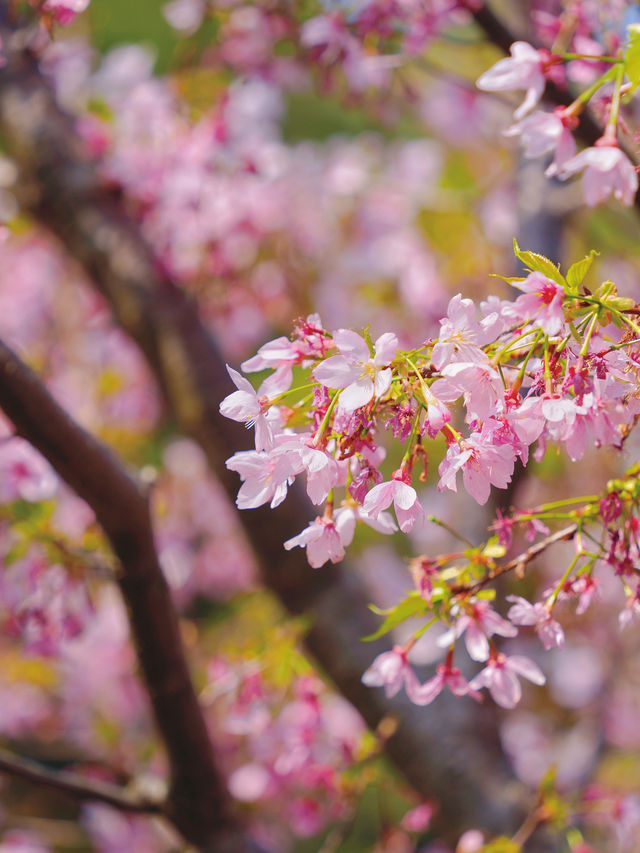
{"points": [[183, 275]]}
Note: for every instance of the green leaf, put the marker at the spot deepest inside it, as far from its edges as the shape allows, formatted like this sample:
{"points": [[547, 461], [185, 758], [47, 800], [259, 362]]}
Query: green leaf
{"points": [[632, 56], [538, 263], [508, 278], [486, 594], [494, 549], [578, 271], [412, 605]]}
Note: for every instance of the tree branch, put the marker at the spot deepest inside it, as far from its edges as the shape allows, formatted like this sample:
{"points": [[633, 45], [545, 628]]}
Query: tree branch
{"points": [[197, 800], [439, 752], [519, 562], [76, 786]]}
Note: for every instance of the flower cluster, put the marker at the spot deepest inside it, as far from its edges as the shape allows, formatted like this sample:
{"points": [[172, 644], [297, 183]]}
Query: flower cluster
{"points": [[558, 363], [607, 169]]}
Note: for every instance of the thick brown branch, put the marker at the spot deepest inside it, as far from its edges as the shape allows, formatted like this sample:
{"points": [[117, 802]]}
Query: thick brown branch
{"points": [[439, 752], [197, 801], [76, 786]]}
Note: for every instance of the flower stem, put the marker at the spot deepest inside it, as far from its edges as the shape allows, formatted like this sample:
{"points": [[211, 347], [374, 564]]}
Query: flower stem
{"points": [[611, 130]]}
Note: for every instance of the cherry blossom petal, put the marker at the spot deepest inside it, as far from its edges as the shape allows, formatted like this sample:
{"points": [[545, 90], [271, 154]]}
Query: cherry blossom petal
{"points": [[356, 395], [351, 345], [385, 349], [526, 668], [505, 688], [335, 372]]}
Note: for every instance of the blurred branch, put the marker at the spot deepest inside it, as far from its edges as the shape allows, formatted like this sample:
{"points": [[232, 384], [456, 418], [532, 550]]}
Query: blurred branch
{"points": [[76, 786], [197, 801], [445, 753]]}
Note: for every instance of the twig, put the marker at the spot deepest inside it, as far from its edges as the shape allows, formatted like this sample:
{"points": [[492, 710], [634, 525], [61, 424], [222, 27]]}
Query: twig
{"points": [[76, 786], [518, 562]]}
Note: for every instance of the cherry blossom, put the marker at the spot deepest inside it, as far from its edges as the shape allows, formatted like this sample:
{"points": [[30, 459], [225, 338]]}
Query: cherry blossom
{"points": [[322, 541], [266, 475], [523, 70], [501, 677], [546, 133], [607, 171], [405, 502], [482, 463], [446, 676], [460, 336], [541, 302], [253, 407], [539, 617], [361, 376], [346, 518], [66, 10], [391, 670], [477, 622]]}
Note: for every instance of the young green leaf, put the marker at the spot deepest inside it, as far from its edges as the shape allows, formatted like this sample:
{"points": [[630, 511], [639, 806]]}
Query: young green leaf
{"points": [[412, 605], [538, 263]]}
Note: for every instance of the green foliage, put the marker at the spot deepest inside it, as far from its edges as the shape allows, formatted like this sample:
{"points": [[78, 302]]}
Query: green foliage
{"points": [[578, 271], [412, 605], [117, 22], [632, 56], [538, 263]]}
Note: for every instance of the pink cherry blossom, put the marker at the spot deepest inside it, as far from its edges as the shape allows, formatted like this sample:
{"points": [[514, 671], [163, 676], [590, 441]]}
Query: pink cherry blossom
{"points": [[24, 473], [482, 463], [539, 617], [471, 841], [460, 335], [65, 10], [322, 541], [477, 624], [266, 475], [252, 408], [480, 384], [346, 517], [541, 303], [446, 676], [501, 677], [545, 133], [607, 171], [405, 502], [438, 415], [361, 376], [391, 670], [323, 472], [523, 70]]}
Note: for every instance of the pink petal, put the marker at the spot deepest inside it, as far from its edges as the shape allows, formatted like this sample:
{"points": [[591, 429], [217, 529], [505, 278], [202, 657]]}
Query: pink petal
{"points": [[385, 348], [382, 382], [240, 406], [356, 395], [335, 372], [425, 694], [379, 498], [526, 668], [476, 643], [351, 345], [505, 688]]}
